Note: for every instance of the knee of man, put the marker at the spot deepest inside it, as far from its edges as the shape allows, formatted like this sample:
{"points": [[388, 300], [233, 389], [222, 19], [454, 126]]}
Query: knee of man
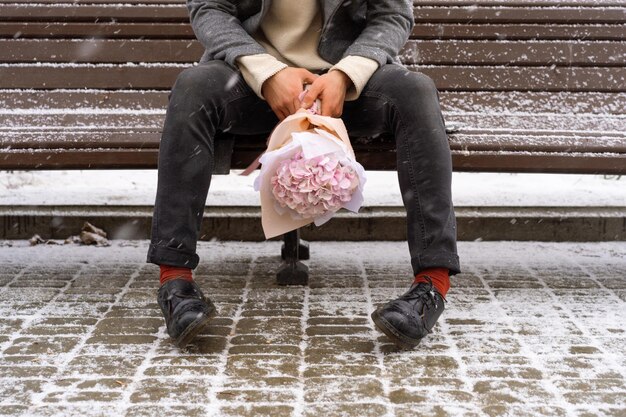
{"points": [[205, 80], [416, 87]]}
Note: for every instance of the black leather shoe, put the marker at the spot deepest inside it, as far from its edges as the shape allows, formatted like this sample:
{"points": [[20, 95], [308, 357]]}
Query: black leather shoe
{"points": [[407, 319], [186, 310]]}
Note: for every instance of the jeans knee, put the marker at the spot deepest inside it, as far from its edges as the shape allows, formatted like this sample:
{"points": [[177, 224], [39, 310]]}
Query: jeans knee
{"points": [[205, 81], [409, 91], [424, 85]]}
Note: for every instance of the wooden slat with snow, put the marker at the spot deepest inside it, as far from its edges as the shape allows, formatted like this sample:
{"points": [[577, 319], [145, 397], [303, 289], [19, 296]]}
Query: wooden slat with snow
{"points": [[142, 158], [504, 102], [162, 30], [426, 52], [460, 78]]}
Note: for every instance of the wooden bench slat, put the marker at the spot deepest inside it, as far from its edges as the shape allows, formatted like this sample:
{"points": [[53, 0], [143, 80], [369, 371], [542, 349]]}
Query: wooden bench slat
{"points": [[576, 53], [504, 102], [478, 121], [517, 3], [96, 30], [423, 14], [100, 51], [94, 13], [526, 78], [466, 78], [103, 2], [511, 102], [115, 30], [518, 31], [505, 14], [80, 98], [462, 161], [81, 139], [485, 140]]}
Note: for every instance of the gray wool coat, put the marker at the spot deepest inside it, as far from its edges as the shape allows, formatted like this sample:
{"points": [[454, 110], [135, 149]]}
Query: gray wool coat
{"points": [[375, 29]]}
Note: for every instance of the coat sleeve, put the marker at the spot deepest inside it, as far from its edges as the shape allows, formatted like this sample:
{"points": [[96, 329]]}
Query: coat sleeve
{"points": [[389, 24], [219, 30]]}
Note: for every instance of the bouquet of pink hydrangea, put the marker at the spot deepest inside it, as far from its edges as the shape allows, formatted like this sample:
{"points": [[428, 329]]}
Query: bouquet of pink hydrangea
{"points": [[308, 177]]}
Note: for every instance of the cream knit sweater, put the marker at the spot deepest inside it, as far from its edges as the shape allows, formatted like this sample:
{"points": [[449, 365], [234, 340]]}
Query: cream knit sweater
{"points": [[290, 33]]}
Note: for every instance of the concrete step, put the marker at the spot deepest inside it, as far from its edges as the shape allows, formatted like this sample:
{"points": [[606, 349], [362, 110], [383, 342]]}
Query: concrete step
{"points": [[372, 223]]}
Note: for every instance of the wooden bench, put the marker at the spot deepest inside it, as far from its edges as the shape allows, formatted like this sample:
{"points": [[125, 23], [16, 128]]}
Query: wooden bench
{"points": [[526, 85]]}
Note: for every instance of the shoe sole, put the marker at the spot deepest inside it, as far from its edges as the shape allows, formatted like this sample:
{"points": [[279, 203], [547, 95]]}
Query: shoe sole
{"points": [[392, 333], [195, 327]]}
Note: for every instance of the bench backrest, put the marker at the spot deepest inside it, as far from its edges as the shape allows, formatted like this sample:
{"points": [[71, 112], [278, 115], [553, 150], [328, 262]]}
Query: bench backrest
{"points": [[536, 85]]}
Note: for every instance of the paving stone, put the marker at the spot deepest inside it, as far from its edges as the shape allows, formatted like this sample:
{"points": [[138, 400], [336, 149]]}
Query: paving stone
{"points": [[19, 390], [44, 345], [102, 365], [268, 348], [9, 326], [406, 369], [497, 392], [259, 366], [28, 284], [271, 326], [126, 325], [337, 330], [258, 395], [268, 382], [532, 411], [333, 390], [346, 410], [188, 391], [258, 411], [333, 370], [159, 410], [76, 410], [31, 371], [267, 339], [13, 410], [347, 344], [102, 384], [122, 340]]}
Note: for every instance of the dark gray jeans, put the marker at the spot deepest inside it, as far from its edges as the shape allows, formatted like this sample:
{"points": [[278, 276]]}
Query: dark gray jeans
{"points": [[214, 97]]}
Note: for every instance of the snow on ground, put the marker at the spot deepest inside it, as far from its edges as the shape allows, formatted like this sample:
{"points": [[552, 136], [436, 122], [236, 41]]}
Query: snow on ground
{"points": [[541, 334], [137, 187]]}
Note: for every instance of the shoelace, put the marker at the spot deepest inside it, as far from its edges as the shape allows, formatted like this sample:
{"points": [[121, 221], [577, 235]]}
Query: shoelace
{"points": [[423, 293], [195, 296]]}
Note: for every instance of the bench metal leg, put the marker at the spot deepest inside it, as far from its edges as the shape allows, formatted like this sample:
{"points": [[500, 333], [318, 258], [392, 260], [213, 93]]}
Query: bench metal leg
{"points": [[303, 251], [293, 272]]}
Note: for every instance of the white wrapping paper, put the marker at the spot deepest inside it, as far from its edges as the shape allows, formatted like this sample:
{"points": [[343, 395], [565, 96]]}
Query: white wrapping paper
{"points": [[314, 135]]}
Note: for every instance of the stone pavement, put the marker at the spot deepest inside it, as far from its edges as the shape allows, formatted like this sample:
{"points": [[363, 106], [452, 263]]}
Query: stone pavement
{"points": [[531, 329]]}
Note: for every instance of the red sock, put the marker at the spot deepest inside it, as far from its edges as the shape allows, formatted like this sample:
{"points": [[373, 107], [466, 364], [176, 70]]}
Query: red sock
{"points": [[439, 277], [172, 272]]}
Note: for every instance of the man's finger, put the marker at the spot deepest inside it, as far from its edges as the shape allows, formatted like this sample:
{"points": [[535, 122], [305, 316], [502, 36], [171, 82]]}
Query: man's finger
{"points": [[327, 108], [279, 114], [309, 78], [311, 95], [290, 108]]}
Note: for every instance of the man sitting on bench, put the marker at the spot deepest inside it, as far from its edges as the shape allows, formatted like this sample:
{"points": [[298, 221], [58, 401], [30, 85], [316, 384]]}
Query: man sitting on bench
{"points": [[258, 57]]}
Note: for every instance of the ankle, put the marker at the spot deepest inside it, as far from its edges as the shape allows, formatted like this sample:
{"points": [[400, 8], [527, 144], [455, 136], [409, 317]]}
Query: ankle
{"points": [[439, 276], [169, 273]]}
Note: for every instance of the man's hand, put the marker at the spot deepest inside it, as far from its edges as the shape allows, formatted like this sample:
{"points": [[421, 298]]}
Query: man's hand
{"points": [[282, 89], [331, 89]]}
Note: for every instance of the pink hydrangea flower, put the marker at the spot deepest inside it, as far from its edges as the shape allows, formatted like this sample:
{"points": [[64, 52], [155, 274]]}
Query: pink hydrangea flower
{"points": [[313, 187]]}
